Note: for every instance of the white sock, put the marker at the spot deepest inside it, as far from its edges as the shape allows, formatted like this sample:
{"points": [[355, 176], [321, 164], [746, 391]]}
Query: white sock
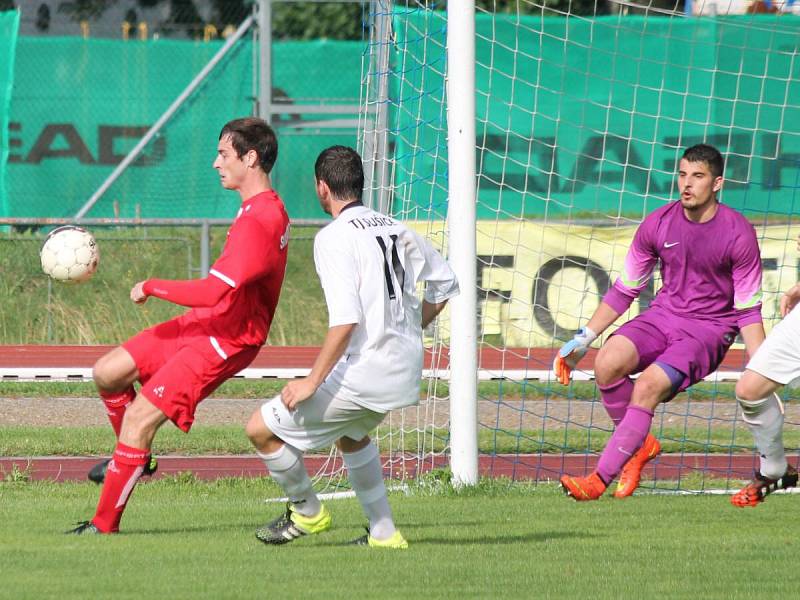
{"points": [[366, 477], [765, 420], [288, 470]]}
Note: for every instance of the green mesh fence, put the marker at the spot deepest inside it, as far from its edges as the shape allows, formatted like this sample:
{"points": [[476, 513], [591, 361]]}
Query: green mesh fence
{"points": [[9, 24], [79, 106], [587, 117]]}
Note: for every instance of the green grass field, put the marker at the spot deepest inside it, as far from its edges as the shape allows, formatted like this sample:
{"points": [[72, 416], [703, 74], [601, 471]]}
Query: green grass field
{"points": [[230, 439], [184, 538], [37, 311], [187, 539], [715, 436]]}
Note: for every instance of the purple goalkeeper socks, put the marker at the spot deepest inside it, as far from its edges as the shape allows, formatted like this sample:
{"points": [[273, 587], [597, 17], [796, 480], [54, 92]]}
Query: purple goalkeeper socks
{"points": [[616, 397], [626, 440]]}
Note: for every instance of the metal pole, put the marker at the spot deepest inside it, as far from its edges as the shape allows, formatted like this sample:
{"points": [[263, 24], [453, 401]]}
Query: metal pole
{"points": [[375, 148], [265, 62], [462, 184], [204, 249], [163, 119]]}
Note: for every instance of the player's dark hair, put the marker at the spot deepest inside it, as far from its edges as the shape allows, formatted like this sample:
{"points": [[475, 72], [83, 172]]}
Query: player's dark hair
{"points": [[252, 133], [340, 168], [707, 154]]}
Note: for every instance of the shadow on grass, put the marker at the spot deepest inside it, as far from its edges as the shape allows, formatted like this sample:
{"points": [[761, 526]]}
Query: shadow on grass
{"points": [[465, 540], [216, 527], [539, 537]]}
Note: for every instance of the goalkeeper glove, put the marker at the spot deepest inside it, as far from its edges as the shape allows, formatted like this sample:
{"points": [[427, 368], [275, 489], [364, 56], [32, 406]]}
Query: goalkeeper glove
{"points": [[571, 353]]}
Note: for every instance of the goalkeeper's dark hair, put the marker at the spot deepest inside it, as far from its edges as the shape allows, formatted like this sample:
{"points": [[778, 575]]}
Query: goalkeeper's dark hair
{"points": [[341, 169], [707, 154], [252, 133]]}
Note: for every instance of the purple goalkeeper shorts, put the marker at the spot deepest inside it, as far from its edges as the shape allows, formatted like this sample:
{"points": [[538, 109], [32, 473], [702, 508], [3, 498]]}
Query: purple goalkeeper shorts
{"points": [[693, 347]]}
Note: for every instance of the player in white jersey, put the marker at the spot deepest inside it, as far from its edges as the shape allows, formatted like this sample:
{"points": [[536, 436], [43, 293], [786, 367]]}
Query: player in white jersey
{"points": [[369, 265]]}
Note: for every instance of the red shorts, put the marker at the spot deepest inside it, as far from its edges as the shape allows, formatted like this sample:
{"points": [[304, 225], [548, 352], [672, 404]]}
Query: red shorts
{"points": [[180, 365]]}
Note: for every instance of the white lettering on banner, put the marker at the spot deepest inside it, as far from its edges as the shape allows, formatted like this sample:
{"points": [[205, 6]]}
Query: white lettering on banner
{"points": [[537, 283]]}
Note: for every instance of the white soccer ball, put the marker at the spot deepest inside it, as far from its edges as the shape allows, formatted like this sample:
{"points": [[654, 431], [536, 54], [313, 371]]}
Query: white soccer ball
{"points": [[70, 254]]}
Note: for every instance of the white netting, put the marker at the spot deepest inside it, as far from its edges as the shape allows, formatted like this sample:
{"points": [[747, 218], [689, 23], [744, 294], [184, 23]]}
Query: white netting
{"points": [[583, 110]]}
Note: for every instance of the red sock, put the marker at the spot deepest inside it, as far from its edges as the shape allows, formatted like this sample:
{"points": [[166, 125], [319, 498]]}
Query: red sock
{"points": [[116, 403], [122, 474]]}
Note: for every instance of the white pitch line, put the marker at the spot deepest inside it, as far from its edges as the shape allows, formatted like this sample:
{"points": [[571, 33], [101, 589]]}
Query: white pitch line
{"points": [[79, 374], [340, 495]]}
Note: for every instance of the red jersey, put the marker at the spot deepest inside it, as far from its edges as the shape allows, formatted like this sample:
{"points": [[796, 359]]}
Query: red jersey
{"points": [[237, 302], [252, 263]]}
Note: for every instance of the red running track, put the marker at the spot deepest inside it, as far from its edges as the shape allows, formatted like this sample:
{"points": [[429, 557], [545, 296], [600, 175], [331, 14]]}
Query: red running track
{"points": [[209, 467], [519, 467], [303, 357]]}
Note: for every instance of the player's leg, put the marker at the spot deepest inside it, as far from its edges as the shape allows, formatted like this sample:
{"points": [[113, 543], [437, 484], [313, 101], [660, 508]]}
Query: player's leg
{"points": [[617, 359], [762, 411], [656, 384], [633, 345], [131, 456], [114, 374], [776, 362], [304, 514], [285, 464], [363, 462], [652, 387], [172, 392]]}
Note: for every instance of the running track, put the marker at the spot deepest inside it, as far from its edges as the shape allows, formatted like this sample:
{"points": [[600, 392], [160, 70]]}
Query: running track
{"points": [[43, 363]]}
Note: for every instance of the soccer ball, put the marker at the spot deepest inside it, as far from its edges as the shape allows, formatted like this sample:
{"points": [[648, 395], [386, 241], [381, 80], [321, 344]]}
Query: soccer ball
{"points": [[70, 254]]}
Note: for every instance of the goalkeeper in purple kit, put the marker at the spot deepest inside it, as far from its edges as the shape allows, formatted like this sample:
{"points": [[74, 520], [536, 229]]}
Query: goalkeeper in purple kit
{"points": [[710, 267]]}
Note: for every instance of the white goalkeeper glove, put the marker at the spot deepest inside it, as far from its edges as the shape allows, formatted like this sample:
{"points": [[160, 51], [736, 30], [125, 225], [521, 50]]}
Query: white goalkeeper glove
{"points": [[571, 353]]}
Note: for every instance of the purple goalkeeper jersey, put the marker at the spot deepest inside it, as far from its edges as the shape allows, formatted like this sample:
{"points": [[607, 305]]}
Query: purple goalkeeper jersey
{"points": [[710, 271]]}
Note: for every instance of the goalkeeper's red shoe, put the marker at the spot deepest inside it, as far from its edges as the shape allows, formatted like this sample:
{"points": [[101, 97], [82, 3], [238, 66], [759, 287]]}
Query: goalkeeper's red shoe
{"points": [[583, 488], [757, 490], [632, 473]]}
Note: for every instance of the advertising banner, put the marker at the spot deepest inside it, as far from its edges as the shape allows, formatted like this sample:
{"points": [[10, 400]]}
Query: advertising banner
{"points": [[538, 283]]}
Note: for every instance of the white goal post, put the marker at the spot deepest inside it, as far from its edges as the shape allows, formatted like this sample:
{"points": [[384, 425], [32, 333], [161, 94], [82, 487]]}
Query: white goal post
{"points": [[462, 190]]}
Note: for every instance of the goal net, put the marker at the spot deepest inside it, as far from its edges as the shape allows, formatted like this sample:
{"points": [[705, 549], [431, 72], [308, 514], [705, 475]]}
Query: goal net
{"points": [[583, 110]]}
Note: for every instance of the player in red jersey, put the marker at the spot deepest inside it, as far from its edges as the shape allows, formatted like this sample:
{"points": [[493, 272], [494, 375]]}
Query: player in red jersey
{"points": [[182, 361]]}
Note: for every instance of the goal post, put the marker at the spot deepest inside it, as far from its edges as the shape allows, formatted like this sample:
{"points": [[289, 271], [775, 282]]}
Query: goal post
{"points": [[461, 197]]}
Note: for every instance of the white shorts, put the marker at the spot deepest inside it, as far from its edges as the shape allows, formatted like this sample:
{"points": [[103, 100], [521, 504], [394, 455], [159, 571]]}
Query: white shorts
{"points": [[319, 421], [778, 358]]}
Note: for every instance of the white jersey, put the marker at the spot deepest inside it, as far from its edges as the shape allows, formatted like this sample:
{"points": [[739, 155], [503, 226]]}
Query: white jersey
{"points": [[369, 265]]}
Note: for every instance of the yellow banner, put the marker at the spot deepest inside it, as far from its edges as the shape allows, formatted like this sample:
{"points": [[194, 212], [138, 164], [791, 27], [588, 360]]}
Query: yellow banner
{"points": [[537, 283]]}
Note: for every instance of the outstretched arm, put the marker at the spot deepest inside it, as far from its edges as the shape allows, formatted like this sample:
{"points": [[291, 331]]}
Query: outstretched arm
{"points": [[187, 292]]}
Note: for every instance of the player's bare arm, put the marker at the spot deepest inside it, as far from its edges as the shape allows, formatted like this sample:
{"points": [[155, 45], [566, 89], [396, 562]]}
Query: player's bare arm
{"points": [[430, 311], [753, 335], [602, 318], [790, 298], [137, 293], [336, 341]]}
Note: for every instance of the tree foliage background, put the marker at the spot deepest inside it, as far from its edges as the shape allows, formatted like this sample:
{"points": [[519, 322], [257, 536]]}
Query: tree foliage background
{"points": [[309, 20]]}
